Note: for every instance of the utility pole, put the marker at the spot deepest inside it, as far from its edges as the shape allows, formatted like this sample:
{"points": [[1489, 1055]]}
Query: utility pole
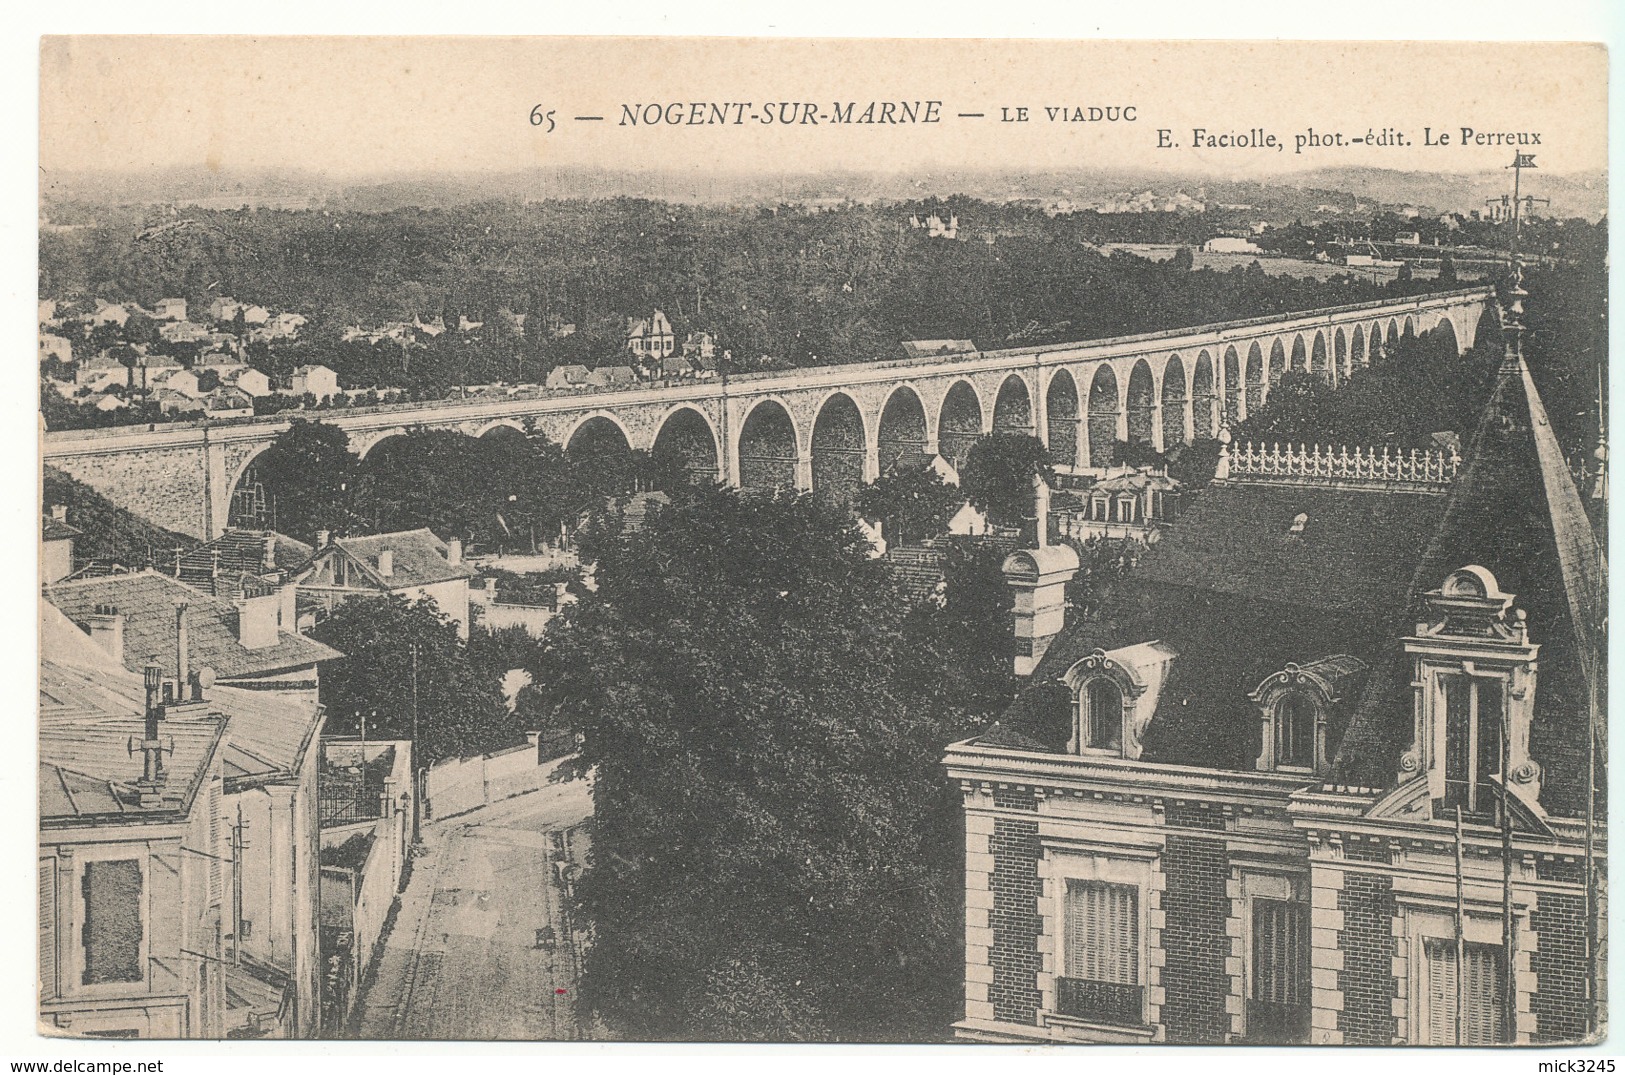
{"points": [[417, 768], [238, 845]]}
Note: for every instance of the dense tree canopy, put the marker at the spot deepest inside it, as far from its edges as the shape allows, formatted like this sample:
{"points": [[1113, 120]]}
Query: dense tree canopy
{"points": [[913, 504], [788, 286], [459, 707], [998, 476], [508, 489], [307, 474], [775, 849], [1409, 392]]}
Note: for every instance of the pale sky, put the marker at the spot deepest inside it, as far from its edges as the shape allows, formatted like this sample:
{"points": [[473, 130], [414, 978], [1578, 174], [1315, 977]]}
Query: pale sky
{"points": [[351, 106]]}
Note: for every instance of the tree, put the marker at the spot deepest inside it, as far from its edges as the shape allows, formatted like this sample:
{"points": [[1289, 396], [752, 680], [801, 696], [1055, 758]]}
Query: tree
{"points": [[775, 853], [309, 471], [1102, 563], [998, 475], [1447, 272], [459, 705], [1193, 464], [913, 504]]}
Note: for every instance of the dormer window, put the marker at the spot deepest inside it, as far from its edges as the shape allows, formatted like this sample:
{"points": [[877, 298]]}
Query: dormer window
{"points": [[1295, 706], [1474, 675], [1296, 717], [1104, 701], [1473, 716], [1114, 696]]}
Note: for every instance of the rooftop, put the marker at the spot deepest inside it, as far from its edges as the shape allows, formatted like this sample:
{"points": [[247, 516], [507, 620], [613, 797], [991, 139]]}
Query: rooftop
{"points": [[419, 558], [88, 716], [1325, 569], [240, 552], [147, 601]]}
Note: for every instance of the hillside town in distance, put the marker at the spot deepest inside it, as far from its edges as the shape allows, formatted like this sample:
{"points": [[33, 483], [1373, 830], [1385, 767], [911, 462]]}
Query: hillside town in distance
{"points": [[1159, 614]]}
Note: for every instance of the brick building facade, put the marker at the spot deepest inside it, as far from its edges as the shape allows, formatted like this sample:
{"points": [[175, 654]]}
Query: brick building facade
{"points": [[1267, 794]]}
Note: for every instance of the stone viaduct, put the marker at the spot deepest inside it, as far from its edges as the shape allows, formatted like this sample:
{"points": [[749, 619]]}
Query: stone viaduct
{"points": [[823, 427]]}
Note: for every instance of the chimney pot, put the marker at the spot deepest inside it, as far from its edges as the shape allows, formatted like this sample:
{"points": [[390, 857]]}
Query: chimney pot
{"points": [[183, 671]]}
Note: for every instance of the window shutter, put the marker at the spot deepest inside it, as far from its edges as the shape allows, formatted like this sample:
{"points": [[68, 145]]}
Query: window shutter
{"points": [[47, 927], [1481, 1001], [1280, 952], [1483, 997], [216, 852], [1441, 991], [111, 934], [1103, 932]]}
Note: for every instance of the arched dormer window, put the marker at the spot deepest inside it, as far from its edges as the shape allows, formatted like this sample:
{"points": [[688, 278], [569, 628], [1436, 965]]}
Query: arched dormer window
{"points": [[1295, 705], [1296, 718], [1103, 716], [1114, 696]]}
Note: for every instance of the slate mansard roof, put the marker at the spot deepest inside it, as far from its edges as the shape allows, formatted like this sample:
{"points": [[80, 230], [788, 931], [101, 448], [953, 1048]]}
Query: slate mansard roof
{"points": [[1238, 592]]}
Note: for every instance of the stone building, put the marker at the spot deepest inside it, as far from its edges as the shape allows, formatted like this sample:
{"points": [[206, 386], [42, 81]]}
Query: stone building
{"points": [[1320, 769], [650, 338], [130, 926], [229, 934], [413, 564]]}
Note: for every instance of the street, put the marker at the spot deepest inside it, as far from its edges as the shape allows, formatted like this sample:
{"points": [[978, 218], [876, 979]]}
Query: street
{"points": [[481, 948]]}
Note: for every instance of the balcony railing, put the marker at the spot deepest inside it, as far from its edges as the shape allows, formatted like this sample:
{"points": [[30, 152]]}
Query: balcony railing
{"points": [[1100, 1002], [1272, 1023], [1427, 470]]}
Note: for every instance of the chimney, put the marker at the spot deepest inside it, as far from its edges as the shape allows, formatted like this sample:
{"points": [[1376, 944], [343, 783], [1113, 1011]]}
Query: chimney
{"points": [[270, 552], [454, 551], [491, 589], [257, 620], [107, 630], [59, 512], [386, 562], [324, 538], [151, 784], [1035, 524], [183, 670], [1038, 576]]}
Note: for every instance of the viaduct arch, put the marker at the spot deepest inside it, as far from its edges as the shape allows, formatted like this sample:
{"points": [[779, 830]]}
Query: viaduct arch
{"points": [[826, 427]]}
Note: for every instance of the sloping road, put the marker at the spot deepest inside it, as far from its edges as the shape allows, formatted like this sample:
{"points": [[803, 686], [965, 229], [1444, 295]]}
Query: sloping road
{"points": [[482, 949]]}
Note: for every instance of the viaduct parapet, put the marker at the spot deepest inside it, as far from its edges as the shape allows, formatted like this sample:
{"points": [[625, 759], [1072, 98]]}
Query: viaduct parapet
{"points": [[826, 426]]}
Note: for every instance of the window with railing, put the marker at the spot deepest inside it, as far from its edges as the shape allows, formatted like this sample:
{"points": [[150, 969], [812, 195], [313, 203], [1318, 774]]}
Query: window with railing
{"points": [[1278, 1008], [1102, 951]]}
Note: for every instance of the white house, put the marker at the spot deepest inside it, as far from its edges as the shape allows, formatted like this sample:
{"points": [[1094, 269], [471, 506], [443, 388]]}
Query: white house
{"points": [[1229, 244], [319, 381], [247, 380]]}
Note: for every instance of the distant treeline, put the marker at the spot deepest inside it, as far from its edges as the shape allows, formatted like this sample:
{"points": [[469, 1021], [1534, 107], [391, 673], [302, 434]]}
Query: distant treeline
{"points": [[775, 287]]}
